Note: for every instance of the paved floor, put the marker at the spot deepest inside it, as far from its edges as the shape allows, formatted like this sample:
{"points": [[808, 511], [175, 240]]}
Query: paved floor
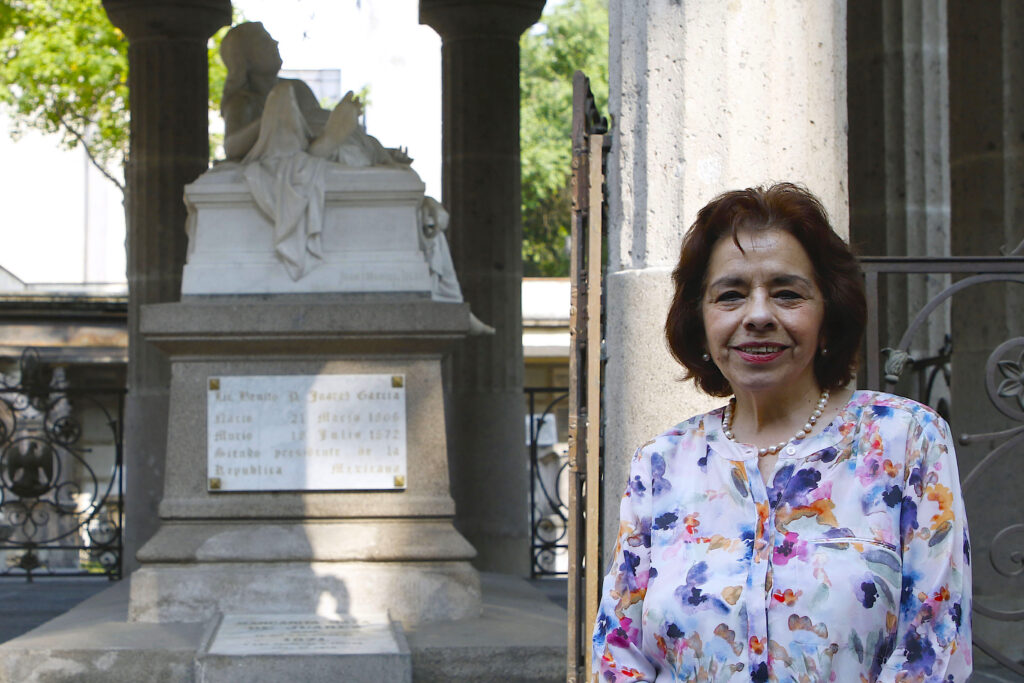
{"points": [[23, 606], [554, 589]]}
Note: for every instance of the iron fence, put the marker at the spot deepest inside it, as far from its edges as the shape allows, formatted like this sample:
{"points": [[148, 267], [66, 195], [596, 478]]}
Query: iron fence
{"points": [[61, 509], [1001, 450], [549, 509]]}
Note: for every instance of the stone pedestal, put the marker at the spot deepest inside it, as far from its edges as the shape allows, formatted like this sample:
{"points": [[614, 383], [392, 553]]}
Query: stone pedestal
{"points": [[306, 552]]}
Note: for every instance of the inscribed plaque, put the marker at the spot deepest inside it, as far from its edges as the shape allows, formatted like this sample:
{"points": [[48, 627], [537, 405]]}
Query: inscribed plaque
{"points": [[282, 634], [306, 432]]}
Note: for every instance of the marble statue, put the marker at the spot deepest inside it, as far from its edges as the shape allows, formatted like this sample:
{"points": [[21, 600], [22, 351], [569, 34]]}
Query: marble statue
{"points": [[444, 286], [267, 116], [277, 129], [433, 224], [308, 189]]}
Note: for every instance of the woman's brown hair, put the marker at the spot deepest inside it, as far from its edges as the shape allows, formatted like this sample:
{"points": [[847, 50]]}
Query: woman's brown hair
{"points": [[783, 206]]}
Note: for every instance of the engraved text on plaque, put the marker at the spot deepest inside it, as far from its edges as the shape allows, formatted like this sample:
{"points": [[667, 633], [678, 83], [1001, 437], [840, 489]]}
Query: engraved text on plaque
{"points": [[306, 432]]}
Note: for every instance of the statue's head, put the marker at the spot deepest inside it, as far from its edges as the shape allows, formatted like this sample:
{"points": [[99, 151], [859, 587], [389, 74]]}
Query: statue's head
{"points": [[248, 47]]}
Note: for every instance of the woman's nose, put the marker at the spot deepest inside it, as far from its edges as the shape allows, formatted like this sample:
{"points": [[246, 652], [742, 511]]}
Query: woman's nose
{"points": [[758, 312]]}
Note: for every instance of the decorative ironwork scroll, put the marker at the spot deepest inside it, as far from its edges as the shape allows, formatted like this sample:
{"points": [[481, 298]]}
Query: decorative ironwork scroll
{"points": [[1004, 384], [56, 501], [549, 509]]}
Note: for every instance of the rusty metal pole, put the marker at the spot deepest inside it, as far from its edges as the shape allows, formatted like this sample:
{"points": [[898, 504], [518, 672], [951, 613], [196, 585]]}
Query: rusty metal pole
{"points": [[586, 333]]}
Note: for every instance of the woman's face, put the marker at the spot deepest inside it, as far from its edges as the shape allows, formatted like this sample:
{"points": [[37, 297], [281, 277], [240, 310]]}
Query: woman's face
{"points": [[763, 313]]}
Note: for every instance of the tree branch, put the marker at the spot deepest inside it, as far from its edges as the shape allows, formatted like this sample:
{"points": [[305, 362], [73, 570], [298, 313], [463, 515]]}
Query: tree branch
{"points": [[95, 162]]}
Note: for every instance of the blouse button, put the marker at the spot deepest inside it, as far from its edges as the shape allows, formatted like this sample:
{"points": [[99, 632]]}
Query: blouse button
{"points": [[791, 450]]}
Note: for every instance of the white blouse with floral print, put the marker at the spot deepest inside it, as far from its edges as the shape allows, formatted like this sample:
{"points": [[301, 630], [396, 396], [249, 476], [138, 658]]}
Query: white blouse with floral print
{"points": [[854, 565]]}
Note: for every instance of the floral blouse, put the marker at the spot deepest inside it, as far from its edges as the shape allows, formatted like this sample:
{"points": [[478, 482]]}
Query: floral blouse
{"points": [[853, 566]]}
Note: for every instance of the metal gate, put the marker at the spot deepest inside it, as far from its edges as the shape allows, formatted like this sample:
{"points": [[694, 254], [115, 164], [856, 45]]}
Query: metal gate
{"points": [[586, 330], [549, 508], [60, 475], [1003, 382]]}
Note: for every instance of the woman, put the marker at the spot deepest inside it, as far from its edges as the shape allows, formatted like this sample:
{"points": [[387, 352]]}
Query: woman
{"points": [[804, 531]]}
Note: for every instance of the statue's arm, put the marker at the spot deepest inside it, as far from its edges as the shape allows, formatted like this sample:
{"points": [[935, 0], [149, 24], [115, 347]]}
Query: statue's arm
{"points": [[315, 115], [339, 125], [241, 124]]}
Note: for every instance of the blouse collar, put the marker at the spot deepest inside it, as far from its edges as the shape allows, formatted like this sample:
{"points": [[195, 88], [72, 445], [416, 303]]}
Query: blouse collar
{"points": [[831, 435]]}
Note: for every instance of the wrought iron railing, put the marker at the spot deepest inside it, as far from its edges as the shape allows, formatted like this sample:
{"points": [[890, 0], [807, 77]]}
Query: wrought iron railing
{"points": [[549, 509], [1004, 384], [60, 510]]}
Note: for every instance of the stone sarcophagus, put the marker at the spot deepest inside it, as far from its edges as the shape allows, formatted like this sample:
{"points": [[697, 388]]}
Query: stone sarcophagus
{"points": [[362, 230]]}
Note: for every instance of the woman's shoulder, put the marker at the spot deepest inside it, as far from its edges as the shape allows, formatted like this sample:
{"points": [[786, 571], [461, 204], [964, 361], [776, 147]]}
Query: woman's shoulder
{"points": [[879, 404], [897, 413], [695, 426]]}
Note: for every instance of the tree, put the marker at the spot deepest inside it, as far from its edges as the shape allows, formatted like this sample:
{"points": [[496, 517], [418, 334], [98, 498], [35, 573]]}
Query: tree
{"points": [[571, 35], [64, 71]]}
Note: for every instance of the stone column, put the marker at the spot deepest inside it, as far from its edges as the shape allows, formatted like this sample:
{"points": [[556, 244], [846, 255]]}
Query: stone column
{"points": [[899, 129], [168, 92], [705, 97], [986, 96], [986, 141], [481, 180]]}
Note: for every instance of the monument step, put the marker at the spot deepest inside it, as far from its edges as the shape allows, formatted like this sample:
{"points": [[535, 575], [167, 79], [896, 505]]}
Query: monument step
{"points": [[520, 637], [275, 647]]}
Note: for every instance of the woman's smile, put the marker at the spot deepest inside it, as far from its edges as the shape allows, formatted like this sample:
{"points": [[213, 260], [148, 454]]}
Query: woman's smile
{"points": [[759, 353]]}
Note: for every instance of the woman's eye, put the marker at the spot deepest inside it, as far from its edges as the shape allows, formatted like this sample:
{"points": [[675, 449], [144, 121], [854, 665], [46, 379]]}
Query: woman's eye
{"points": [[788, 294], [729, 296]]}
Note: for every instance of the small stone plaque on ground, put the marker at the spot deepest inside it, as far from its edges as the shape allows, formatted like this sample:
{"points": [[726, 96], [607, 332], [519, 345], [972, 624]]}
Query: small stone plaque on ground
{"points": [[289, 634], [306, 432]]}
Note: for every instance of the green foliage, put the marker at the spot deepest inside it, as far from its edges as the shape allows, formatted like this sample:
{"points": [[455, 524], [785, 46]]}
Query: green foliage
{"points": [[217, 75], [572, 35], [64, 71]]}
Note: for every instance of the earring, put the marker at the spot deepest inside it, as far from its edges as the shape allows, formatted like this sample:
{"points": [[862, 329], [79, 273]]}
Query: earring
{"points": [[824, 352], [706, 357]]}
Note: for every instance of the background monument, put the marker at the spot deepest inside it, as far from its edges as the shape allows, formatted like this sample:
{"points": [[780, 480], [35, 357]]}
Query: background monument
{"points": [[306, 515]]}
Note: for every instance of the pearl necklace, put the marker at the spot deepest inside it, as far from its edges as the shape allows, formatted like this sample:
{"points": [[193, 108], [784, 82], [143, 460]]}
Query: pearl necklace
{"points": [[775, 448]]}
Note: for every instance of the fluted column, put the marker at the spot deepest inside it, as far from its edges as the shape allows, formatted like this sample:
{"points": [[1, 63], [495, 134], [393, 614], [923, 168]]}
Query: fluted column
{"points": [[481, 181], [899, 166], [168, 94], [986, 143]]}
